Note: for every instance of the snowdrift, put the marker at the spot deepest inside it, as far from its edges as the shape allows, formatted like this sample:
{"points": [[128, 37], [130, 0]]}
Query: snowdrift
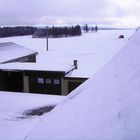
{"points": [[106, 107]]}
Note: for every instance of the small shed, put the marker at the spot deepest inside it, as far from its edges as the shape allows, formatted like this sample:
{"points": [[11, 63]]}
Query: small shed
{"points": [[12, 52]]}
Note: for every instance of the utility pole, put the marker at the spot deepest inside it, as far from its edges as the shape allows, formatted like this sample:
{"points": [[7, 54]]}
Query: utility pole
{"points": [[47, 45]]}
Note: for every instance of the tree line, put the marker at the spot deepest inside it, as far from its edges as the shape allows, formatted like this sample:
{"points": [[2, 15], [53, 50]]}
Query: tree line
{"points": [[87, 28], [40, 32], [16, 31], [55, 32]]}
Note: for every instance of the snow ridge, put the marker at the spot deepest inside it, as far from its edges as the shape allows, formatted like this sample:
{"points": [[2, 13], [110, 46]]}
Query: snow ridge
{"points": [[106, 106]]}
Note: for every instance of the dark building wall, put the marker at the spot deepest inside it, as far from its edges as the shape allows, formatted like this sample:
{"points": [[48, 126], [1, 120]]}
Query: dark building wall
{"points": [[29, 58], [11, 81], [73, 85], [1, 80], [46, 83], [32, 58], [70, 83], [38, 82]]}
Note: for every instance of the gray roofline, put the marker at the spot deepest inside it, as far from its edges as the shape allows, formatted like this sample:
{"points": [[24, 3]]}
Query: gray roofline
{"points": [[18, 58], [13, 43], [33, 70]]}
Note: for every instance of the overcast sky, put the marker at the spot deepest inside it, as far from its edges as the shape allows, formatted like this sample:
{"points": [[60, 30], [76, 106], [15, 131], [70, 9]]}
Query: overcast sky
{"points": [[100, 12]]}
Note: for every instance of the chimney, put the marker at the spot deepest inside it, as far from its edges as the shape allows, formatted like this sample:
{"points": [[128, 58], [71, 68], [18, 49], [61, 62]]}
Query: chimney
{"points": [[75, 64]]}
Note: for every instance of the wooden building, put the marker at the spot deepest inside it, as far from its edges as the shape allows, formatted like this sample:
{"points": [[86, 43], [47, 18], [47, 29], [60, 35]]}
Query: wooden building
{"points": [[36, 78], [12, 52], [33, 77]]}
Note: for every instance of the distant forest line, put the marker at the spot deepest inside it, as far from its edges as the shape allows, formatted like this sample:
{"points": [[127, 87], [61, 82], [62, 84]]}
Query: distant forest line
{"points": [[16, 31], [51, 32], [56, 32]]}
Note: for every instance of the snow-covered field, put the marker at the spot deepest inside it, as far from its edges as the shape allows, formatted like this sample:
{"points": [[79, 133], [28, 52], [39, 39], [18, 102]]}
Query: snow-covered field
{"points": [[12, 107], [92, 50], [104, 107]]}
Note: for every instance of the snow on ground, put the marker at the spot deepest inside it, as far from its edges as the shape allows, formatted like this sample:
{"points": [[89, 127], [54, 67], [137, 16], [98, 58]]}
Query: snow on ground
{"points": [[12, 105], [106, 107], [92, 50]]}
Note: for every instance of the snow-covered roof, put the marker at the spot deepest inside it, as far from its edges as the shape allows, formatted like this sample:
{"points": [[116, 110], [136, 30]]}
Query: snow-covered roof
{"points": [[92, 50], [36, 67], [10, 51], [106, 107]]}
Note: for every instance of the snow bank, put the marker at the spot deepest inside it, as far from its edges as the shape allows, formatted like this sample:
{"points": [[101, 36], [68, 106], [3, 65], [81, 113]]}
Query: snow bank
{"points": [[106, 107]]}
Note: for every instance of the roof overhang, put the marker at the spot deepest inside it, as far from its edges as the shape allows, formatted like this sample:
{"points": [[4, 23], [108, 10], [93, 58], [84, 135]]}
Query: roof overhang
{"points": [[36, 67]]}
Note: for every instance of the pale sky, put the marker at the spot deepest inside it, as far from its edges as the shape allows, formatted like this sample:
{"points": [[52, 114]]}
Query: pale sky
{"points": [[120, 13]]}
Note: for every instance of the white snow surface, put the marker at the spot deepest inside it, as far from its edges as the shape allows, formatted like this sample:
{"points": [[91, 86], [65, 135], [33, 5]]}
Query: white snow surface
{"points": [[10, 51], [106, 107], [92, 50], [36, 67], [12, 106]]}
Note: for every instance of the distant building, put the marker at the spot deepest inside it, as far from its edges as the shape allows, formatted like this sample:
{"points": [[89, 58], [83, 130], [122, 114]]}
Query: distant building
{"points": [[121, 36], [12, 52], [36, 78]]}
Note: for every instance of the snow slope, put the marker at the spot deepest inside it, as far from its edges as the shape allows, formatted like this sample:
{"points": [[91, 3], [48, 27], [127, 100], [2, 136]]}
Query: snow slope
{"points": [[106, 107]]}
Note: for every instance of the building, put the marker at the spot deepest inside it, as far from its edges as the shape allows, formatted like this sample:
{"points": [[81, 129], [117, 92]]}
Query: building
{"points": [[37, 78], [33, 77], [12, 52]]}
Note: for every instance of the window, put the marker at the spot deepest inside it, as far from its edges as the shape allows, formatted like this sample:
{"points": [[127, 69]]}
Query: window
{"points": [[56, 81], [40, 80], [48, 81]]}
